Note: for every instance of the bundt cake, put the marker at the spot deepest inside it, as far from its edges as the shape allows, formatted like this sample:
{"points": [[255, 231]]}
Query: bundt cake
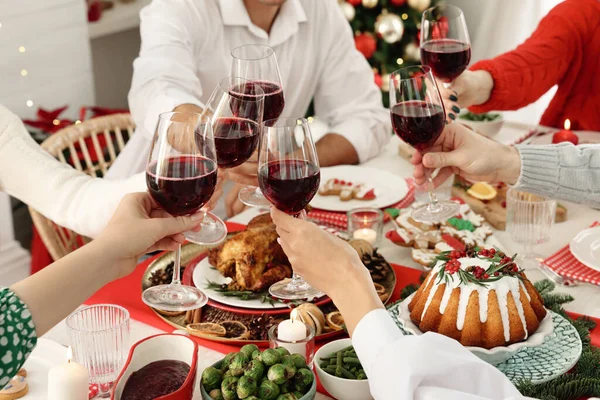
{"points": [[479, 297]]}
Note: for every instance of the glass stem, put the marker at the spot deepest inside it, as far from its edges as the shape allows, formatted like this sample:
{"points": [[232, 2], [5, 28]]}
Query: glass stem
{"points": [[433, 200], [177, 267], [297, 279]]}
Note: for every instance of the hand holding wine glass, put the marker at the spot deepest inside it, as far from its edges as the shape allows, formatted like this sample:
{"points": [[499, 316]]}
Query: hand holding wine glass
{"points": [[289, 177], [182, 182], [418, 118]]}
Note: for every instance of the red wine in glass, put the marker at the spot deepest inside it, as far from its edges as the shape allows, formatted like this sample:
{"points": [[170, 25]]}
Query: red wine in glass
{"points": [[418, 123], [235, 140], [273, 95], [183, 185], [447, 58], [289, 184]]}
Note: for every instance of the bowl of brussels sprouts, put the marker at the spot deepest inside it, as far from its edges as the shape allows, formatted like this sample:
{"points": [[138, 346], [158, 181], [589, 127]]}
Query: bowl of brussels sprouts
{"points": [[341, 372], [251, 374], [488, 124]]}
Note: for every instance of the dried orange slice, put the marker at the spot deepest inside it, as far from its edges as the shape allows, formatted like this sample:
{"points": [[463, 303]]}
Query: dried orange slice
{"points": [[482, 191], [380, 289], [206, 329], [235, 330], [335, 321]]}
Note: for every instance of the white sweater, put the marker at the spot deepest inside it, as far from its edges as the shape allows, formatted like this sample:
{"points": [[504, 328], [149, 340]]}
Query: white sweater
{"points": [[68, 197]]}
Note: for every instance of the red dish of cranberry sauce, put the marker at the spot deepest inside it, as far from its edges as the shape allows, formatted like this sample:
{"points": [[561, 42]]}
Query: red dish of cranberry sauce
{"points": [[156, 379]]}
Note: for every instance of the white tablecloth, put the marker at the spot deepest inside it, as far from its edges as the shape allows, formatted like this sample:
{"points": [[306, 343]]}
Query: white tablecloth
{"points": [[587, 297]]}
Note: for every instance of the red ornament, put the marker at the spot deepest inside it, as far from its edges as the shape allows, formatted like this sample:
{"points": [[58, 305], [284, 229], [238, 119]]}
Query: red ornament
{"points": [[366, 44], [355, 3], [565, 136], [398, 3], [378, 79]]}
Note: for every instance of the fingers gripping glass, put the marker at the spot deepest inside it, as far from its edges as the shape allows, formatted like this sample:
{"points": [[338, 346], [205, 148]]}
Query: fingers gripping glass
{"points": [[289, 176], [418, 118], [257, 64], [181, 177]]}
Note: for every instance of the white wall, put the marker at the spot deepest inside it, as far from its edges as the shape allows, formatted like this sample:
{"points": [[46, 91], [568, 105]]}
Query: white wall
{"points": [[49, 40]]}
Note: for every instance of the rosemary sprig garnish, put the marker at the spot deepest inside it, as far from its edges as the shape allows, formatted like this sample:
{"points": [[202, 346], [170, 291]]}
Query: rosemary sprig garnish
{"points": [[264, 297]]}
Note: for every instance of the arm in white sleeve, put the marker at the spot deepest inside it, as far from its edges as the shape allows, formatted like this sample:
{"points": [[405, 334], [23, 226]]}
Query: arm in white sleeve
{"points": [[68, 197], [427, 367], [346, 96], [164, 74]]}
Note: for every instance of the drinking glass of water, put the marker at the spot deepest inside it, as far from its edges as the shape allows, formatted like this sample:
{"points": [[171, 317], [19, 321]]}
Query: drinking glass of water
{"points": [[99, 337]]}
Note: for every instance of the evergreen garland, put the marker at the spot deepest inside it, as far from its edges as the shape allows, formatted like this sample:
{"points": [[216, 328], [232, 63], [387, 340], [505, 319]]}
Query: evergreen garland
{"points": [[584, 379]]}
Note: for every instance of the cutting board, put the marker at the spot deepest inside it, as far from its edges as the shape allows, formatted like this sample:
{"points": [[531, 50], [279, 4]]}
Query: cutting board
{"points": [[494, 211]]}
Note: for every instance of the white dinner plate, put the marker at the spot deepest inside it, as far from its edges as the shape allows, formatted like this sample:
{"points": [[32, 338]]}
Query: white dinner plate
{"points": [[586, 247], [205, 272], [389, 188]]}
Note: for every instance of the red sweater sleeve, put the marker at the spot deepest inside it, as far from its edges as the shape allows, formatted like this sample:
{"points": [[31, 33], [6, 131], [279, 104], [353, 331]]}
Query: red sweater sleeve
{"points": [[523, 75]]}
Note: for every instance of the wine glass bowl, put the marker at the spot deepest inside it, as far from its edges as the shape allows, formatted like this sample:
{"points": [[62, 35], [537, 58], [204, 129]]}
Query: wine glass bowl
{"points": [[445, 42], [257, 64], [289, 177], [418, 118], [181, 176]]}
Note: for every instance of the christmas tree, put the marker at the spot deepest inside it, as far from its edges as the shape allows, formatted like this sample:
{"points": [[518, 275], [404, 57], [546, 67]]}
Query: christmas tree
{"points": [[386, 32]]}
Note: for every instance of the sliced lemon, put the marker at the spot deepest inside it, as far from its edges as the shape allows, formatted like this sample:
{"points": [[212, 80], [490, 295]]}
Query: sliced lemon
{"points": [[482, 191]]}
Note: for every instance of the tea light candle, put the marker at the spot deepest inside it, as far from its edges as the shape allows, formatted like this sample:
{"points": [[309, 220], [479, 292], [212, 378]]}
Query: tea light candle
{"points": [[367, 234], [292, 330], [565, 135], [69, 381]]}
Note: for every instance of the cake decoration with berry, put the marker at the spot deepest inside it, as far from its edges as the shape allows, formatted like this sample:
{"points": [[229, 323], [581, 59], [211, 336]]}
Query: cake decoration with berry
{"points": [[478, 296]]}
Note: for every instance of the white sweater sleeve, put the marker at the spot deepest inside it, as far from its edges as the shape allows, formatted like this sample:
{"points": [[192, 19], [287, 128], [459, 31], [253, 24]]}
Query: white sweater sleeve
{"points": [[68, 197], [427, 367]]}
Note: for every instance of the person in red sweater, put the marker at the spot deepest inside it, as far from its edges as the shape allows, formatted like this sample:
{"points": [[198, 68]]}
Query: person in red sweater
{"points": [[564, 50]]}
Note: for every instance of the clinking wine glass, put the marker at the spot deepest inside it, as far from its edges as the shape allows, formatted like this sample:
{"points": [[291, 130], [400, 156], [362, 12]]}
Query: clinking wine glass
{"points": [[289, 176], [181, 177], [418, 118], [445, 43], [235, 120], [257, 63]]}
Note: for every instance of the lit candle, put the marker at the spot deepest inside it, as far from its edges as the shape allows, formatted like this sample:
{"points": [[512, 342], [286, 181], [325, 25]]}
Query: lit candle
{"points": [[565, 135], [367, 234], [291, 331], [69, 381]]}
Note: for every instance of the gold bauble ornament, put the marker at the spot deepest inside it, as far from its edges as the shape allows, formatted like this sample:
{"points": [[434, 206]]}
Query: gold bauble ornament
{"points": [[389, 27], [412, 51], [419, 5], [385, 82], [369, 3], [348, 10]]}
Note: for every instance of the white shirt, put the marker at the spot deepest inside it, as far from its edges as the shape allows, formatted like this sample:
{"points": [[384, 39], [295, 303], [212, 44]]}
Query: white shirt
{"points": [[185, 51], [68, 197], [427, 367]]}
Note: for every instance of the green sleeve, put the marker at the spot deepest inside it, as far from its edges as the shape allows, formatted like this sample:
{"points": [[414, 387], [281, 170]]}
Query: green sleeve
{"points": [[17, 335]]}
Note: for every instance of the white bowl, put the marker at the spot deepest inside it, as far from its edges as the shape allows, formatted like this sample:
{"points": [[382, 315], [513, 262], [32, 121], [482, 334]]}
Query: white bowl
{"points": [[486, 128], [340, 388], [494, 355]]}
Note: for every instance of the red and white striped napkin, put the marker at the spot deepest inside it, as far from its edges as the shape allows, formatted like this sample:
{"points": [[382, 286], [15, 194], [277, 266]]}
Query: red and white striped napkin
{"points": [[564, 263], [339, 220]]}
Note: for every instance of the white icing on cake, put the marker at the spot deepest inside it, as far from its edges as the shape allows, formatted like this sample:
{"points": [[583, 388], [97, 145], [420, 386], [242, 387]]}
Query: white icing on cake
{"points": [[508, 284]]}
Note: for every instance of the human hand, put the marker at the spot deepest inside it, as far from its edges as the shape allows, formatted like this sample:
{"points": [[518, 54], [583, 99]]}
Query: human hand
{"points": [[246, 173], [328, 264], [474, 157], [470, 88], [233, 205], [140, 226]]}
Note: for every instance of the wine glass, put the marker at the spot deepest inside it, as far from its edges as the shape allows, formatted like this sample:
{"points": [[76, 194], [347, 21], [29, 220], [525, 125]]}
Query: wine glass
{"points": [[418, 118], [236, 120], [529, 220], [445, 43], [289, 176], [181, 177], [258, 64]]}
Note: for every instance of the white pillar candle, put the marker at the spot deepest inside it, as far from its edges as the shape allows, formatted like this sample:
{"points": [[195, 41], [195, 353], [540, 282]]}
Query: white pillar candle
{"points": [[291, 331], [367, 234], [69, 381]]}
